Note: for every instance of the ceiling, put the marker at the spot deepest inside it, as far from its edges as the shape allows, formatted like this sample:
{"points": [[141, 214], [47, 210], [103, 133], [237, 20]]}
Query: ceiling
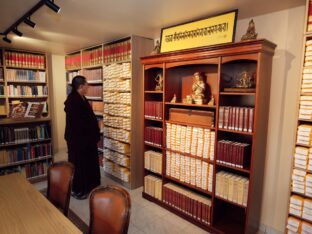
{"points": [[83, 23]]}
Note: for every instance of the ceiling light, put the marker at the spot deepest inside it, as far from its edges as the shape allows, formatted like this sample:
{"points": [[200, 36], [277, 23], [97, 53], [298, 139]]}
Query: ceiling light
{"points": [[53, 6], [18, 33], [29, 22], [6, 39]]}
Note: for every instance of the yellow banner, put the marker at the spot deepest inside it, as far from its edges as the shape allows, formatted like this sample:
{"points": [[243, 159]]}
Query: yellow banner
{"points": [[214, 30]]}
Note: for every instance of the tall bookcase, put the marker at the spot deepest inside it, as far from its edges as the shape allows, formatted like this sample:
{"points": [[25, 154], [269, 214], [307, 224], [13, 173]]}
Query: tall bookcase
{"points": [[119, 102], [205, 162], [25, 144], [299, 218]]}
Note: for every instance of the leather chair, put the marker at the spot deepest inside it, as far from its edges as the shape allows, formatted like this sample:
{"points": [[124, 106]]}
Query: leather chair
{"points": [[110, 208], [60, 177]]}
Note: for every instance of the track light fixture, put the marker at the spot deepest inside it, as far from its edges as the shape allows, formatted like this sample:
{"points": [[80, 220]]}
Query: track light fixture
{"points": [[6, 39], [18, 33], [26, 18], [53, 6], [29, 22]]}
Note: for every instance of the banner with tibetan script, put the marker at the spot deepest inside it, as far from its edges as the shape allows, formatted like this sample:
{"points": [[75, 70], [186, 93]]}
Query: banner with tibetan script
{"points": [[210, 31]]}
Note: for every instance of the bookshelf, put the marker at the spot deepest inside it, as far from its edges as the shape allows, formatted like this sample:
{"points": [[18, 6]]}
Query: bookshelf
{"points": [[25, 143], [212, 156], [116, 99], [299, 218]]}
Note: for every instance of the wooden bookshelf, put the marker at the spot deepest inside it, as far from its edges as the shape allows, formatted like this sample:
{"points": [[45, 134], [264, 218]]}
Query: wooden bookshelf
{"points": [[22, 72], [302, 109], [119, 62], [177, 69]]}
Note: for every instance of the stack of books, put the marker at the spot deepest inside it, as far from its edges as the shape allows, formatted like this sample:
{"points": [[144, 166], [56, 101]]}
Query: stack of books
{"points": [[192, 204], [117, 122], [117, 134], [118, 171], [117, 146], [293, 225], [306, 228], [304, 134], [117, 85], [295, 205], [153, 186], [232, 187], [117, 70], [117, 110], [308, 185], [153, 110], [116, 97], [301, 157], [189, 170], [298, 179], [153, 161], [307, 209], [192, 140], [116, 157]]}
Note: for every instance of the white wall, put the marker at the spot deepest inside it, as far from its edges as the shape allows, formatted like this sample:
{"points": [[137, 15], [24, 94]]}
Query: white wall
{"points": [[284, 28]]}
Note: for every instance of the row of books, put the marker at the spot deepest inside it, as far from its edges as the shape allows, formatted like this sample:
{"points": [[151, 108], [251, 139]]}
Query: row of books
{"points": [[233, 153], [70, 75], [116, 157], [117, 98], [296, 226], [25, 75], [305, 109], [116, 146], [94, 91], [301, 182], [236, 118], [23, 135], [73, 61], [117, 70], [303, 158], [1, 90], [1, 74], [301, 207], [92, 57], [25, 153], [232, 187], [188, 202], [97, 106], [153, 186], [192, 140], [35, 169], [24, 60], [306, 77], [304, 134], [118, 171], [117, 134], [153, 110], [153, 161], [121, 85], [117, 52], [20, 90], [153, 136], [189, 170], [93, 74], [120, 110], [117, 122]]}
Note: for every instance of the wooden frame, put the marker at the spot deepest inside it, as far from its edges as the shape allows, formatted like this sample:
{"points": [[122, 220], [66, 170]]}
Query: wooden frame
{"points": [[215, 29]]}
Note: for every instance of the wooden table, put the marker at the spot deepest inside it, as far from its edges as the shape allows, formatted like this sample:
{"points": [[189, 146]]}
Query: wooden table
{"points": [[23, 209]]}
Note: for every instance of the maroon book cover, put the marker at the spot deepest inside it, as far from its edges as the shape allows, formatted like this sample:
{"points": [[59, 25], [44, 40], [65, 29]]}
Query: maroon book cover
{"points": [[246, 119], [250, 119]]}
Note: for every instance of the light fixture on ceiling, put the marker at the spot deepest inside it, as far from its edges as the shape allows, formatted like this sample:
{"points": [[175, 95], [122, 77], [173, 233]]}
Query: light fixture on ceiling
{"points": [[26, 18], [17, 32], [53, 6], [6, 39], [29, 22]]}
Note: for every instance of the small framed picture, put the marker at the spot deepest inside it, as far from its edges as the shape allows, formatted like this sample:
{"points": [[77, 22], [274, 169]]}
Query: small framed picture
{"points": [[34, 110]]}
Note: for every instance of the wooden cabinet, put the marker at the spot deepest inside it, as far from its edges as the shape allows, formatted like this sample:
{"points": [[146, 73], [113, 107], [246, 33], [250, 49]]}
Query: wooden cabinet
{"points": [[211, 155]]}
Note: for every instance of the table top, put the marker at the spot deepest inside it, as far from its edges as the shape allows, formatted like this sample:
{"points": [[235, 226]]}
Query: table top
{"points": [[23, 209]]}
